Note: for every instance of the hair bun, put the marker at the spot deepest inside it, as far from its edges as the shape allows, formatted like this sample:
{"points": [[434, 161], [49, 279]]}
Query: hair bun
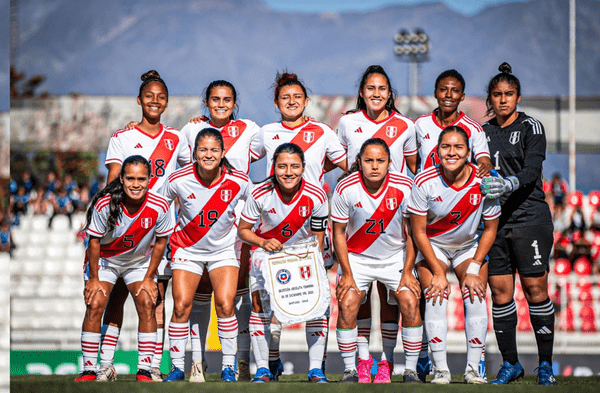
{"points": [[152, 74], [505, 68], [286, 77]]}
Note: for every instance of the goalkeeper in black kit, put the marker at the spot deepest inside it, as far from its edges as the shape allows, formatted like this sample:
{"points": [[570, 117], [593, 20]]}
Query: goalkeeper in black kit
{"points": [[517, 145]]}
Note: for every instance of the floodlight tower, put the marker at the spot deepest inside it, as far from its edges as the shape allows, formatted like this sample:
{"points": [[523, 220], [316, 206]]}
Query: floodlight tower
{"points": [[412, 48]]}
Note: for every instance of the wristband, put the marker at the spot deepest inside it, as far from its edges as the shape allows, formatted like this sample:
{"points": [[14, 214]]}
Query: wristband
{"points": [[473, 268]]}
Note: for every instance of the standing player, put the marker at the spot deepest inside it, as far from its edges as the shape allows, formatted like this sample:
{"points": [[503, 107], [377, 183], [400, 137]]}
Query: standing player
{"points": [[291, 210], [164, 148], [370, 236], [376, 116], [316, 140], [208, 191], [221, 101], [122, 222], [525, 237], [446, 207]]}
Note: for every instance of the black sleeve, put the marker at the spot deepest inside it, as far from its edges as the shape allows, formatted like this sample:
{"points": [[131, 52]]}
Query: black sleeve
{"points": [[318, 224], [534, 151]]}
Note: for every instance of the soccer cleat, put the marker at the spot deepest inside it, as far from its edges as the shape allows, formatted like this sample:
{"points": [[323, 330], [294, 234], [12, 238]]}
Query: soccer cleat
{"points": [[197, 372], [85, 376], [424, 368], [175, 375], [384, 372], [228, 375], [441, 377], [364, 370], [508, 373], [349, 376], [545, 375], [243, 370], [276, 368], [156, 374], [107, 373], [262, 375], [144, 376], [316, 375], [410, 376], [472, 376]]}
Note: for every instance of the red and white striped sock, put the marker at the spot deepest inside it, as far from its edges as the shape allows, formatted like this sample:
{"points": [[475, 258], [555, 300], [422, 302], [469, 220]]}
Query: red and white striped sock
{"points": [[158, 348], [364, 336], [346, 339], [260, 329], [146, 348], [178, 335], [437, 330], [90, 342], [228, 334], [316, 338], [274, 341], [411, 341], [110, 336], [389, 339]]}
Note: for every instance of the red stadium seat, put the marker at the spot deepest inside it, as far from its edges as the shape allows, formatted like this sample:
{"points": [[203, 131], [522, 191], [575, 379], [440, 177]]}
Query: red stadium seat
{"points": [[594, 198], [575, 199], [567, 320], [588, 320], [588, 326], [582, 267], [562, 267]]}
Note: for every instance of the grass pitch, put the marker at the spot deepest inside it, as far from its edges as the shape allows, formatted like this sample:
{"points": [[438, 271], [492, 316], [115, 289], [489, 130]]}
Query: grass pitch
{"points": [[288, 383]]}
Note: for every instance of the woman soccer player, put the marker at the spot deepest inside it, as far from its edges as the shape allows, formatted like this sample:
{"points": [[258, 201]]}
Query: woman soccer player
{"points": [[291, 209], [208, 191], [370, 236], [446, 207], [164, 148], [319, 144], [123, 221], [449, 92], [524, 239], [376, 116]]}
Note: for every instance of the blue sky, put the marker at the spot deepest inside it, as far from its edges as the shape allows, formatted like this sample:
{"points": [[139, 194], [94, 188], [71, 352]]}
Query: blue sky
{"points": [[464, 6]]}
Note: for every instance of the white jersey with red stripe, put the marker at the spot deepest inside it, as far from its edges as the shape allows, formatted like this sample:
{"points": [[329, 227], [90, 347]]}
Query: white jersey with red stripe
{"points": [[429, 129], [375, 222], [164, 151], [396, 130], [288, 222], [317, 141], [237, 136], [130, 242], [453, 214], [206, 226]]}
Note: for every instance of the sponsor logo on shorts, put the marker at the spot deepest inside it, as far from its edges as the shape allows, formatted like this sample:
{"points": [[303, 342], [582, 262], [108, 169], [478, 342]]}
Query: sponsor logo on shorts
{"points": [[305, 272], [283, 276]]}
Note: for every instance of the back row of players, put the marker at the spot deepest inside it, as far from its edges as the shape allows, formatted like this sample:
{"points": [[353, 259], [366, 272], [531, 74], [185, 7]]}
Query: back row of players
{"points": [[373, 238]]}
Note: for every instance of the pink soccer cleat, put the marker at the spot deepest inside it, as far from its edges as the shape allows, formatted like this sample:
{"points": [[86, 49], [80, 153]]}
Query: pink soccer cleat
{"points": [[364, 370], [384, 372]]}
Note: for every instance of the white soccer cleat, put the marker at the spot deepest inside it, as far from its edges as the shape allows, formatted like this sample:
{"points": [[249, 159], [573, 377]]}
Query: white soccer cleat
{"points": [[197, 373], [156, 374], [441, 377], [472, 376], [106, 373]]}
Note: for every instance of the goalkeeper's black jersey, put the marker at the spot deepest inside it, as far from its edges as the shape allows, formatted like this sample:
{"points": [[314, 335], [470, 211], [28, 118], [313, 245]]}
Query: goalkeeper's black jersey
{"points": [[519, 150]]}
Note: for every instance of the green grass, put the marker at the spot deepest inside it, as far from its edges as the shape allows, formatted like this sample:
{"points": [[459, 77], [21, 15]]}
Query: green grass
{"points": [[288, 383]]}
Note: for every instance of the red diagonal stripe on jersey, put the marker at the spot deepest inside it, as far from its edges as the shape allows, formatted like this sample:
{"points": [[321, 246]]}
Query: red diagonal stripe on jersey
{"points": [[306, 142], [292, 222], [361, 240], [162, 152], [451, 221], [383, 133], [229, 140], [135, 233], [192, 232]]}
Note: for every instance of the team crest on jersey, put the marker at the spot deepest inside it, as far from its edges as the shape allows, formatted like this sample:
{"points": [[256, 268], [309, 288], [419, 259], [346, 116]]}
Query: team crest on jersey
{"points": [[475, 199], [225, 195], [391, 131], [305, 272], [304, 211], [391, 203], [146, 222], [283, 276], [308, 136], [169, 143], [514, 137], [233, 131]]}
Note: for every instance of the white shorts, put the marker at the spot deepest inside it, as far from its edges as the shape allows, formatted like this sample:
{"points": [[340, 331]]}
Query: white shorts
{"points": [[164, 268], [365, 272], [110, 272], [455, 255], [198, 267]]}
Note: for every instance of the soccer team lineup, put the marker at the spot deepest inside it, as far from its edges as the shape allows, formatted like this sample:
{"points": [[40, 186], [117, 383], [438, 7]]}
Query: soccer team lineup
{"points": [[179, 209]]}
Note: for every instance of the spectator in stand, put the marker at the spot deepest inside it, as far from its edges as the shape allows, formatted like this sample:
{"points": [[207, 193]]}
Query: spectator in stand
{"points": [[13, 186], [577, 220], [97, 185], [558, 190], [28, 181], [38, 201], [62, 204], [19, 203], [6, 243], [51, 184]]}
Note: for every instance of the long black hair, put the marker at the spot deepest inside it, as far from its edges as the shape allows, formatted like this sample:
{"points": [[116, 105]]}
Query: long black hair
{"points": [[222, 83], [152, 76], [290, 148], [117, 194], [361, 105], [369, 142], [216, 134], [505, 75]]}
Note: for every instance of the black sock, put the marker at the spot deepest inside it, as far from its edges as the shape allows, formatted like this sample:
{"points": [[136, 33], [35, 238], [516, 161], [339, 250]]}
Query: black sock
{"points": [[542, 320], [505, 327]]}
